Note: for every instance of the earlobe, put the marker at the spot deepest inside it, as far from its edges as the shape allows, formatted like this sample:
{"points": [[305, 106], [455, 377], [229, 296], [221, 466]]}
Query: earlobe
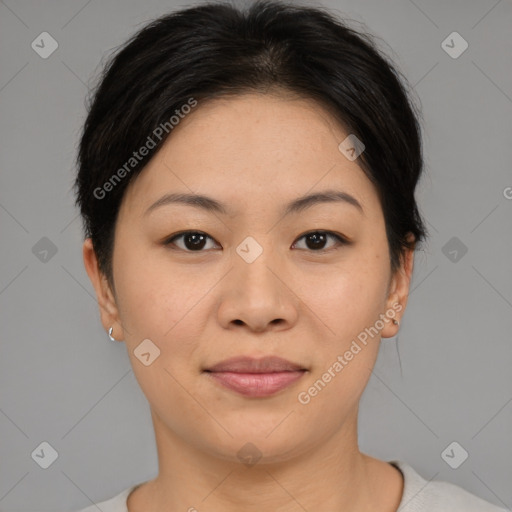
{"points": [[392, 316]]}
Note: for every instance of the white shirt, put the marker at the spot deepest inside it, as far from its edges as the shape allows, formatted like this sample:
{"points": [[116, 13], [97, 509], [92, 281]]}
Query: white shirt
{"points": [[419, 495]]}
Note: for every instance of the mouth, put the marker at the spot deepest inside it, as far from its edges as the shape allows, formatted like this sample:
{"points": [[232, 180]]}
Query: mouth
{"points": [[253, 377]]}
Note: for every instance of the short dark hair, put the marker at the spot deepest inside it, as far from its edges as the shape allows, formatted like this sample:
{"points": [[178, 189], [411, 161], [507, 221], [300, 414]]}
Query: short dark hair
{"points": [[215, 49]]}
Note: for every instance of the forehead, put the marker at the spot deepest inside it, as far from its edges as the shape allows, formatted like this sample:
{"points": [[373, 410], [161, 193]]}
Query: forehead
{"points": [[252, 148]]}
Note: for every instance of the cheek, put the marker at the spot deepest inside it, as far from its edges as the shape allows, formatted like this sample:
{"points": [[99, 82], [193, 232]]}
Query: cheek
{"points": [[166, 309], [346, 297], [157, 301], [348, 306]]}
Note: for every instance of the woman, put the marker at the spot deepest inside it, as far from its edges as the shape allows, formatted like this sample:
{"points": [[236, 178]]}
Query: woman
{"points": [[247, 185]]}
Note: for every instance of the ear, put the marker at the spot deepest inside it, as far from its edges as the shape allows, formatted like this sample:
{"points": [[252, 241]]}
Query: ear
{"points": [[399, 291], [106, 301]]}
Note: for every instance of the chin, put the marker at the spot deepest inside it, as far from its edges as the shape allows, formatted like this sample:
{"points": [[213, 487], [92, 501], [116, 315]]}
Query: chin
{"points": [[250, 445]]}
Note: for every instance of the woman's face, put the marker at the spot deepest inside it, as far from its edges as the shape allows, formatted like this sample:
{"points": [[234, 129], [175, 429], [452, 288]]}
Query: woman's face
{"points": [[254, 285]]}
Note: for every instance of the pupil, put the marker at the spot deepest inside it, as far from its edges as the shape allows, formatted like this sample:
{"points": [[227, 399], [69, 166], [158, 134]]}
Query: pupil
{"points": [[198, 241], [318, 240]]}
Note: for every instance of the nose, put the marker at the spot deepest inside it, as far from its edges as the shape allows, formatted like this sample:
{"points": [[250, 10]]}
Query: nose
{"points": [[258, 296]]}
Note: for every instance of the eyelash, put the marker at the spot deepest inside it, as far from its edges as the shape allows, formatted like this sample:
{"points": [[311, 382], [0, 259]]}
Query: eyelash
{"points": [[341, 240]]}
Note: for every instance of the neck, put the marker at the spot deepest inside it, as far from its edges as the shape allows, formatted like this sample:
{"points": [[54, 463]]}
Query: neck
{"points": [[331, 475]]}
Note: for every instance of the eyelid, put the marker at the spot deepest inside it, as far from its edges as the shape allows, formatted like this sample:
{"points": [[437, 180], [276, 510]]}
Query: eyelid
{"points": [[341, 239], [168, 241]]}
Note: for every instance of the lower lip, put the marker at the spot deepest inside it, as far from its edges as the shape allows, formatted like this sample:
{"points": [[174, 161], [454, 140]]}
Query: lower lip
{"points": [[256, 384]]}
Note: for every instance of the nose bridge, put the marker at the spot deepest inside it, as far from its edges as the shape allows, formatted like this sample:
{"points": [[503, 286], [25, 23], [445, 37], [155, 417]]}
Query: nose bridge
{"points": [[253, 293], [253, 261]]}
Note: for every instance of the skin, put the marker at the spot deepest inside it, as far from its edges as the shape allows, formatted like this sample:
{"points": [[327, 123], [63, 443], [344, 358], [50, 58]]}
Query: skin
{"points": [[254, 153]]}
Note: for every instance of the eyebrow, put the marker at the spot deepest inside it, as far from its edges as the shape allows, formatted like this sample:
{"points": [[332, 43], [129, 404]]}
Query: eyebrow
{"points": [[297, 205]]}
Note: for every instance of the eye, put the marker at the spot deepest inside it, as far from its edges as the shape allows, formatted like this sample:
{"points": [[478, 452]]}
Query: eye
{"points": [[193, 241], [316, 240]]}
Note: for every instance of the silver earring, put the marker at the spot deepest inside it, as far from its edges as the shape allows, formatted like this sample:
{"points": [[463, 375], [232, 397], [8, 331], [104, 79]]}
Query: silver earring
{"points": [[395, 321], [110, 334]]}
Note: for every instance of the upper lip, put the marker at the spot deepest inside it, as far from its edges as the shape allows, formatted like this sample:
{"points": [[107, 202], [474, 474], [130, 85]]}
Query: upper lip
{"points": [[244, 364]]}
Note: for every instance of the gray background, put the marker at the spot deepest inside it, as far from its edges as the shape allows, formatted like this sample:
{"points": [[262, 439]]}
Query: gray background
{"points": [[65, 383]]}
